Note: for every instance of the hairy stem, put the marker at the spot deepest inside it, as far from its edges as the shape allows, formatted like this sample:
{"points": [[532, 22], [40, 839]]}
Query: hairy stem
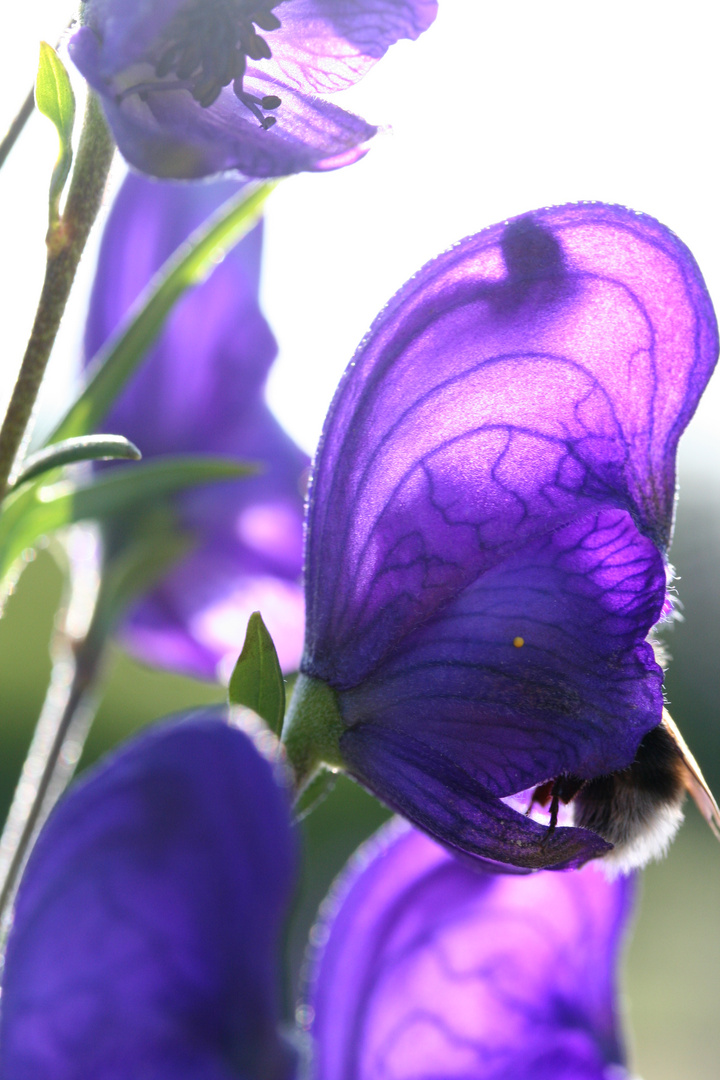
{"points": [[66, 242]]}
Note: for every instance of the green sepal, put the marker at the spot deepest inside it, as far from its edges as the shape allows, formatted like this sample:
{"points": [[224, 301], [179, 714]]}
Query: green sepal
{"points": [[55, 99], [312, 731], [40, 508], [189, 265], [257, 682], [72, 451]]}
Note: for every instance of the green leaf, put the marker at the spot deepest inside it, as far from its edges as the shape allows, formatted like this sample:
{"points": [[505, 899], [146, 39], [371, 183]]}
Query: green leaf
{"points": [[257, 681], [70, 451], [190, 264], [38, 509], [55, 99]]}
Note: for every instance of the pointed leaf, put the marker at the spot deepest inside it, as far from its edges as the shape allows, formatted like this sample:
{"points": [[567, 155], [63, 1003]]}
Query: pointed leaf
{"points": [[55, 99], [126, 488], [257, 681], [71, 451], [190, 264]]}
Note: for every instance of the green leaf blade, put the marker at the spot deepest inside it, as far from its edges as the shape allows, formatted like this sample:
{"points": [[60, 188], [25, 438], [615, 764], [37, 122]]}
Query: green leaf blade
{"points": [[39, 509], [55, 99], [257, 682], [189, 265], [126, 488], [72, 451]]}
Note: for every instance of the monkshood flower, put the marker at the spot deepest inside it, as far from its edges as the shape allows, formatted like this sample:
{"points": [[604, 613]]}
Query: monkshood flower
{"points": [[431, 969], [196, 87], [489, 515], [200, 390], [146, 934]]}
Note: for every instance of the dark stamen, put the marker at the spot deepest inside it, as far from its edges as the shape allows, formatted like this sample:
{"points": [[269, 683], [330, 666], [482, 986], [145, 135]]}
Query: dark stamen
{"points": [[207, 47], [266, 20]]}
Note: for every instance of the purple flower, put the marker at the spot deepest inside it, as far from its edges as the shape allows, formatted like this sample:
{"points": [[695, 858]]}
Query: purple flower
{"points": [[489, 514], [196, 87], [200, 390], [146, 932], [430, 969]]}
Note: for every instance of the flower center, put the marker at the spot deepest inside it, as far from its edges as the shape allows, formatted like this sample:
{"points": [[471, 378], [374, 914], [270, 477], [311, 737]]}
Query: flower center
{"points": [[207, 46]]}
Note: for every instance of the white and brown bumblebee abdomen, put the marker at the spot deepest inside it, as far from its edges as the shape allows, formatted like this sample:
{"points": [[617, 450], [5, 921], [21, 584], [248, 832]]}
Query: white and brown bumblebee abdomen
{"points": [[637, 809]]}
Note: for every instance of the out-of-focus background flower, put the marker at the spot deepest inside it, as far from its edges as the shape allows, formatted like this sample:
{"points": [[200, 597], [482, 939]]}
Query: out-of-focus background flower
{"points": [[498, 109]]}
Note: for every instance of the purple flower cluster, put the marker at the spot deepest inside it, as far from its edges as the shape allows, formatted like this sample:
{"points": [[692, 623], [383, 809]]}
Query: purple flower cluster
{"points": [[147, 929], [193, 88], [201, 390]]}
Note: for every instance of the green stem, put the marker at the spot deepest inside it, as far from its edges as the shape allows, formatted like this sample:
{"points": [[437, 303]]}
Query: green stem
{"points": [[61, 729], [66, 242], [13, 132]]}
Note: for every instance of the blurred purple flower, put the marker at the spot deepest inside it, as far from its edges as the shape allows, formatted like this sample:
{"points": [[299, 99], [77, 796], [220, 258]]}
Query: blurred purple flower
{"points": [[430, 969], [146, 934], [196, 87], [200, 390], [489, 513]]}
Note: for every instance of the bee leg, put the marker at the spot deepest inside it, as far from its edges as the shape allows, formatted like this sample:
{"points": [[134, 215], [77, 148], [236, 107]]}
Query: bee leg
{"points": [[554, 809], [541, 796], [563, 790]]}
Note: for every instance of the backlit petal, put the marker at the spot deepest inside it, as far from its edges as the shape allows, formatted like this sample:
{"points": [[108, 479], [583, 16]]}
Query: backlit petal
{"points": [[431, 970]]}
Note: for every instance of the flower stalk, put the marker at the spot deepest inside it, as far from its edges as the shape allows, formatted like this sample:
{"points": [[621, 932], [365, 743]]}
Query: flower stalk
{"points": [[16, 128], [64, 721], [66, 242]]}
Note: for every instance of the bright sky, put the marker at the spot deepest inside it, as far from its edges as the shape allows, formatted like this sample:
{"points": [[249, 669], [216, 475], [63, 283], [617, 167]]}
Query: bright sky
{"points": [[498, 109]]}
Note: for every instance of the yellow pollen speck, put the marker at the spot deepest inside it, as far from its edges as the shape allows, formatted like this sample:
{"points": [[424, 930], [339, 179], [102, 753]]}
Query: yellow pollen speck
{"points": [[518, 642]]}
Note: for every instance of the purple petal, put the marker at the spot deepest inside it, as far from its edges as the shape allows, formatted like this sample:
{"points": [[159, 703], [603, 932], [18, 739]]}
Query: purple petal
{"points": [[128, 29], [167, 134], [200, 390], [216, 348], [148, 221], [147, 924], [196, 625], [430, 971], [437, 794], [532, 374], [248, 537], [321, 45], [537, 669], [325, 45]]}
